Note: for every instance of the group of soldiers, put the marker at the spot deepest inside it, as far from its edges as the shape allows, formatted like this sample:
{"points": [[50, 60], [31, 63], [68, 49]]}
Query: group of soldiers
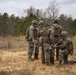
{"points": [[52, 40]]}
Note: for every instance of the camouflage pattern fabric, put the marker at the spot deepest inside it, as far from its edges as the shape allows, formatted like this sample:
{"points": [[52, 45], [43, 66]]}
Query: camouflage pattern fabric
{"points": [[42, 33], [47, 52], [63, 52], [33, 34], [51, 42], [31, 49], [63, 55], [56, 34]]}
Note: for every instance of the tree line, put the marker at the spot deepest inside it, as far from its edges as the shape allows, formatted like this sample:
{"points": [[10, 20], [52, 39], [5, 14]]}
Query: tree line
{"points": [[15, 25], [7, 24]]}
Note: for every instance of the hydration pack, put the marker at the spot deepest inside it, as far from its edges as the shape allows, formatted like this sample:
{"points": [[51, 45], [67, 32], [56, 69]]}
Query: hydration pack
{"points": [[70, 47], [27, 34]]}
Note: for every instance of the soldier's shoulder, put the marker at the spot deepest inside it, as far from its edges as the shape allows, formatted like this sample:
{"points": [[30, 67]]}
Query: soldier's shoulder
{"points": [[31, 27], [49, 29], [68, 39]]}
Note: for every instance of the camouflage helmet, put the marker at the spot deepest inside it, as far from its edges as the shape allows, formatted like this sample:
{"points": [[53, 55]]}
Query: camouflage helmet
{"points": [[64, 34], [41, 22], [34, 22]]}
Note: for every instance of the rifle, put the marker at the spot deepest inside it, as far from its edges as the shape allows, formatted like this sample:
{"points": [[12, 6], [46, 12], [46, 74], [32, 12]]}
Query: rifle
{"points": [[71, 62], [59, 42]]}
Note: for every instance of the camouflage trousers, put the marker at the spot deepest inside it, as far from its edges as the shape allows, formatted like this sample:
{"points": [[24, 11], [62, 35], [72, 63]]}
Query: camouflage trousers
{"points": [[56, 39], [42, 53], [33, 47], [63, 55], [47, 52], [52, 56]]}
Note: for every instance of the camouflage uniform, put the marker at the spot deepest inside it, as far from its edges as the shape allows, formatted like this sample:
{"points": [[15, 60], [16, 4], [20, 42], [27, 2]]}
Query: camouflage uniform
{"points": [[41, 34], [62, 45], [51, 43], [56, 34], [47, 52], [33, 41]]}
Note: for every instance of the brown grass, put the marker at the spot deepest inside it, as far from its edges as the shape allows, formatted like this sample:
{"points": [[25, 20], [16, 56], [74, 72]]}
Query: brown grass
{"points": [[13, 60], [12, 42]]}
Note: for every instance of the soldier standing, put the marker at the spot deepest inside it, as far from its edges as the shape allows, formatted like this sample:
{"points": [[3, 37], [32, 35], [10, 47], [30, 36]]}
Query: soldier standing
{"points": [[51, 43], [46, 49], [47, 56], [33, 40], [56, 31], [42, 31]]}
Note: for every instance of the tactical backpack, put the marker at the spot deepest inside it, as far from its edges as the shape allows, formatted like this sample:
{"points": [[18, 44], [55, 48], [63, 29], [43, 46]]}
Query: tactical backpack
{"points": [[27, 34], [57, 30], [70, 47]]}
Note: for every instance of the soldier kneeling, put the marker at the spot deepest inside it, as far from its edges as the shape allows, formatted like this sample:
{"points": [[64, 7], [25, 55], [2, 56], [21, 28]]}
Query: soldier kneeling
{"points": [[63, 46]]}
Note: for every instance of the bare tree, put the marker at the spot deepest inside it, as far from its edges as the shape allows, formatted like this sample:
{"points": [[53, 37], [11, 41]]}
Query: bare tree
{"points": [[52, 10], [65, 21], [30, 10], [39, 13]]}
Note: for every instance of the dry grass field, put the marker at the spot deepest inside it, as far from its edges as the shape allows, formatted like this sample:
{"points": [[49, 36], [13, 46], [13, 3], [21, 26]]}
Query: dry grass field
{"points": [[13, 60]]}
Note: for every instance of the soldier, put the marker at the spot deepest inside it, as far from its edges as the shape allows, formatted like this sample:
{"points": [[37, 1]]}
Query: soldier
{"points": [[45, 51], [42, 30], [33, 40], [63, 46], [46, 43], [51, 43], [56, 31]]}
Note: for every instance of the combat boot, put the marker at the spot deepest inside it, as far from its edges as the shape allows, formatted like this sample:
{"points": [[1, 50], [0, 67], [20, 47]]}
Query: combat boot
{"points": [[36, 56], [60, 62], [52, 60], [43, 62], [66, 59], [66, 62], [36, 53]]}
